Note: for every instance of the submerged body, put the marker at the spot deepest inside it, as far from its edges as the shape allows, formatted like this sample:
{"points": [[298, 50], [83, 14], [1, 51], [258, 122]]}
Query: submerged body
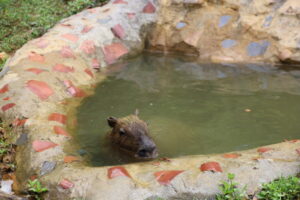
{"points": [[131, 134]]}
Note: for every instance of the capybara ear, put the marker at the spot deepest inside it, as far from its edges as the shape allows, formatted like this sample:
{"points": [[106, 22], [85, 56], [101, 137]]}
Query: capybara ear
{"points": [[136, 112], [112, 121]]}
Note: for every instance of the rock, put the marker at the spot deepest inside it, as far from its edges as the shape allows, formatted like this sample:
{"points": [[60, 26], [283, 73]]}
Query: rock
{"points": [[290, 7], [228, 43], [22, 139], [47, 167], [66, 184], [81, 152], [189, 2], [218, 59], [257, 48], [195, 2], [285, 54], [256, 29], [4, 196], [295, 57], [224, 20], [6, 186]]}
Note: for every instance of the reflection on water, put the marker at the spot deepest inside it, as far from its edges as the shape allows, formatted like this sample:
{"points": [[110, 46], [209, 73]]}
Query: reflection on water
{"points": [[193, 108]]}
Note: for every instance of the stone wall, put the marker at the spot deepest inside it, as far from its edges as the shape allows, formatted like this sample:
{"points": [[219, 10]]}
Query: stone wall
{"points": [[64, 65], [230, 30]]}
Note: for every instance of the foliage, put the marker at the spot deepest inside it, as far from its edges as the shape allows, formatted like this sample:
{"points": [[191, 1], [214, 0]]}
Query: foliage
{"points": [[75, 6], [35, 187], [4, 147], [2, 62], [3, 143], [4, 3], [230, 190], [281, 189], [24, 20], [3, 151]]}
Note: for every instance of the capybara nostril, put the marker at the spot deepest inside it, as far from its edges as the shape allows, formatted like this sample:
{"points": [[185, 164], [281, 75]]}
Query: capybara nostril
{"points": [[143, 153]]}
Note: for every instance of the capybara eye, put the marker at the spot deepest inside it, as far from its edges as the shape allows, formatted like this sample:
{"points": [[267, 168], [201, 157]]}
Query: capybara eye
{"points": [[122, 131]]}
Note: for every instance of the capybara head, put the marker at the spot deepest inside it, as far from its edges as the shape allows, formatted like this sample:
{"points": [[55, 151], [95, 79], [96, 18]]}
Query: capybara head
{"points": [[131, 134]]}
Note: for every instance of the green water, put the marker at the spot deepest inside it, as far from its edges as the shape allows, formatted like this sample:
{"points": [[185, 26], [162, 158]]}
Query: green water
{"points": [[192, 108]]}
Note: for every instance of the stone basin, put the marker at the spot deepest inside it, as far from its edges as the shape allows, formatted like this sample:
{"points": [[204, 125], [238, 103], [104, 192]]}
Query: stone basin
{"points": [[47, 78]]}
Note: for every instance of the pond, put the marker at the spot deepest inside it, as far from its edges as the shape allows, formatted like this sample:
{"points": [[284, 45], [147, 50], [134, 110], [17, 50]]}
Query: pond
{"points": [[192, 108]]}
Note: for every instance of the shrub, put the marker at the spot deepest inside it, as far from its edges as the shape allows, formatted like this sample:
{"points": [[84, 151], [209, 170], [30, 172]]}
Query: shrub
{"points": [[36, 189], [230, 191], [281, 189]]}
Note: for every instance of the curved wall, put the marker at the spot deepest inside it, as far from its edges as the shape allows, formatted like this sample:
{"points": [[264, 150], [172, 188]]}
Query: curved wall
{"points": [[47, 72]]}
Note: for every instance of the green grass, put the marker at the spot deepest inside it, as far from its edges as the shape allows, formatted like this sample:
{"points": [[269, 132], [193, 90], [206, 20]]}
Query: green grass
{"points": [[281, 189], [23, 20]]}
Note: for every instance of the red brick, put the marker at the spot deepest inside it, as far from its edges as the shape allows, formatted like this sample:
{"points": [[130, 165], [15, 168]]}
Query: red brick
{"points": [[41, 43], [63, 68], [66, 184], [68, 83], [35, 70], [95, 64], [89, 72], [120, 2], [74, 91], [293, 141], [149, 8], [156, 163], [117, 171], [86, 29], [41, 145], [88, 47], [60, 131], [58, 118], [7, 106], [66, 52], [131, 15], [67, 26], [4, 89], [231, 155], [40, 88], [19, 122], [211, 166], [165, 177], [35, 57], [70, 37], [70, 159], [118, 31], [264, 149], [114, 51]]}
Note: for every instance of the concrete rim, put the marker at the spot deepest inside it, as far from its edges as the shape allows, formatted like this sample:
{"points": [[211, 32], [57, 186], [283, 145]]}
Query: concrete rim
{"points": [[62, 65]]}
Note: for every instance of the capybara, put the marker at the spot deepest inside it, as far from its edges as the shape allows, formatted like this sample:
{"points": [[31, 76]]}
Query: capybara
{"points": [[131, 135]]}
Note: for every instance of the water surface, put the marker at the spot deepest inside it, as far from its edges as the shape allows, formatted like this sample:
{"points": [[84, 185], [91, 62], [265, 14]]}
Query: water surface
{"points": [[192, 108]]}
